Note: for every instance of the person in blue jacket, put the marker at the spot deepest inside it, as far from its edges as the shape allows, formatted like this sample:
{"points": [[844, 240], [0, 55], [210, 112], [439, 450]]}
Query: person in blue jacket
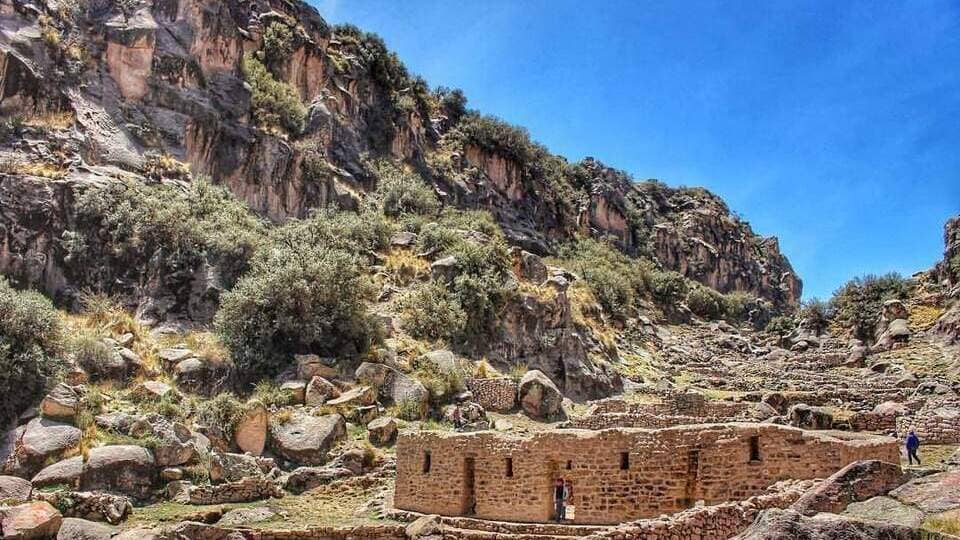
{"points": [[913, 444]]}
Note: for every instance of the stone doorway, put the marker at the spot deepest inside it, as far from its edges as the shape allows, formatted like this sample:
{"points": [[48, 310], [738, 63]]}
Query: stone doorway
{"points": [[469, 487]]}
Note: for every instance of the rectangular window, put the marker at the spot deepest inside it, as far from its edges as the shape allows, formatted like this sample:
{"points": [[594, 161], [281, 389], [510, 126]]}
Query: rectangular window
{"points": [[426, 462], [569, 465], [624, 461], [509, 467], [755, 448]]}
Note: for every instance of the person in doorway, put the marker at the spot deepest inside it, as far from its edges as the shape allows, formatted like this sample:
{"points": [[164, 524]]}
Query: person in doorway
{"points": [[558, 490], [913, 444], [567, 498], [457, 417]]}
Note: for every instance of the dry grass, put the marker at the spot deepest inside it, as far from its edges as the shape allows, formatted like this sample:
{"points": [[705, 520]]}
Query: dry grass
{"points": [[945, 523], [42, 170], [403, 267], [50, 120], [922, 317]]}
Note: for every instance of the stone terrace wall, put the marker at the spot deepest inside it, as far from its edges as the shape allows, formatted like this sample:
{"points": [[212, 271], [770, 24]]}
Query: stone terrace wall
{"points": [[871, 421], [689, 404], [495, 394], [619, 474], [934, 426], [632, 420]]}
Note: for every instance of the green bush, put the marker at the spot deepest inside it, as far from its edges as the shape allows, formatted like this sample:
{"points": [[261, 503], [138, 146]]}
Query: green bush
{"points": [[222, 412], [453, 103], [358, 233], [131, 224], [495, 135], [954, 266], [31, 342], [94, 356], [442, 386], [781, 325], [614, 279], [736, 306], [669, 288], [305, 293], [431, 311], [275, 103], [858, 304], [279, 42], [815, 314], [400, 192], [705, 302]]}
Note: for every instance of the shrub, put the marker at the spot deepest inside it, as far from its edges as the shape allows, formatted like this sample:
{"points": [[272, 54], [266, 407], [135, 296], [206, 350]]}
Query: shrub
{"points": [[31, 340], [736, 305], [278, 44], [400, 192], [453, 103], [614, 279], [222, 412], [431, 311], [781, 325], [815, 314], [705, 302], [441, 385], [275, 104], [353, 232], [495, 135], [954, 266], [857, 305], [298, 297], [668, 287], [271, 395], [437, 238], [94, 356]]}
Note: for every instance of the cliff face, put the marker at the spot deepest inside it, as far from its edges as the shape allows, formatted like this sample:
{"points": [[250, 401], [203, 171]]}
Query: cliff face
{"points": [[167, 78]]}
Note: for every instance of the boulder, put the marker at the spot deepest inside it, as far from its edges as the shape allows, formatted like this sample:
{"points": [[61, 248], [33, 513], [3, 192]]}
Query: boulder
{"points": [[933, 493], [894, 309], [887, 510], [66, 472], [805, 416], [444, 362], [227, 467], [81, 529], [355, 397], [445, 269], [529, 266], [176, 444], [125, 469], [425, 528], [395, 387], [403, 239], [62, 402], [311, 365], [173, 356], [140, 533], [305, 478], [296, 389], [539, 397], [33, 520], [305, 438], [14, 488], [116, 421], [856, 482], [154, 390], [245, 516], [775, 400], [204, 377], [40, 440], [382, 431], [890, 408], [250, 433], [319, 390]]}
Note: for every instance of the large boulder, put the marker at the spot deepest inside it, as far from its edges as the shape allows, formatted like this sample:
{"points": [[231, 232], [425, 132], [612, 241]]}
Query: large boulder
{"points": [[250, 434], [61, 473], [154, 390], [856, 482], [227, 467], [305, 438], [395, 387], [14, 488], [355, 397], [33, 520], [382, 431], [126, 469], [40, 440], [62, 402], [203, 376], [539, 397], [81, 529], [806, 416], [776, 524]]}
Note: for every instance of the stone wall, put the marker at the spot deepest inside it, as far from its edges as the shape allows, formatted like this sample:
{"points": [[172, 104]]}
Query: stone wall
{"points": [[934, 426], [494, 394], [248, 489], [872, 421], [633, 420], [617, 474]]}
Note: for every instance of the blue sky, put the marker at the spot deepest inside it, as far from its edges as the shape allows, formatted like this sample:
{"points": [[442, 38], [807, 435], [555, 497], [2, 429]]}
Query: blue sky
{"points": [[834, 126]]}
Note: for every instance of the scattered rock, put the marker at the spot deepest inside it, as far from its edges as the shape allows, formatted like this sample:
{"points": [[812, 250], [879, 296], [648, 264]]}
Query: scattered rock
{"points": [[154, 390], [355, 397], [382, 431], [227, 467], [935, 493], [81, 529], [319, 390], [41, 440], [311, 365], [296, 389], [37, 519], [425, 528], [245, 516], [62, 402], [14, 488], [250, 433], [66, 472], [807, 417], [403, 239], [886, 510], [125, 469], [776, 524], [394, 387]]}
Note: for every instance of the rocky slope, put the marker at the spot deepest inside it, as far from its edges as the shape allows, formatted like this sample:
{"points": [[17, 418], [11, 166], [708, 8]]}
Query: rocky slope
{"points": [[150, 88]]}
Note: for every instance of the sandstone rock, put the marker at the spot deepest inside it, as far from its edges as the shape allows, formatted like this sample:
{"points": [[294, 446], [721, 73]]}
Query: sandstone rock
{"points": [[899, 330], [81, 529], [311, 365], [807, 417], [425, 528], [139, 533], [382, 431], [775, 400], [539, 397], [62, 402], [297, 389], [931, 494], [529, 266], [154, 390], [776, 524], [856, 482], [363, 415], [171, 474], [355, 397], [40, 440], [305, 438], [95, 506], [319, 390], [444, 362], [125, 469], [250, 433], [891, 408], [887, 510], [307, 478], [227, 467], [116, 421], [33, 520], [14, 488], [66, 472]]}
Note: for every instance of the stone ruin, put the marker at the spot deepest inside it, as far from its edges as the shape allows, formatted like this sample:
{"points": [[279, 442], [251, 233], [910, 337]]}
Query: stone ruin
{"points": [[618, 475]]}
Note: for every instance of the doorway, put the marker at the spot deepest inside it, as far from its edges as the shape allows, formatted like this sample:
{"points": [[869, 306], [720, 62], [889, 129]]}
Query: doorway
{"points": [[469, 487]]}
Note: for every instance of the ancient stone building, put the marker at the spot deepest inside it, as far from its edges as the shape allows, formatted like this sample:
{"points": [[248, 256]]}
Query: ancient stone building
{"points": [[617, 474]]}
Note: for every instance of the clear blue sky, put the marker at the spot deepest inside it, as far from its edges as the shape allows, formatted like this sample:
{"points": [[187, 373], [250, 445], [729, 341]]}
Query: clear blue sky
{"points": [[832, 125]]}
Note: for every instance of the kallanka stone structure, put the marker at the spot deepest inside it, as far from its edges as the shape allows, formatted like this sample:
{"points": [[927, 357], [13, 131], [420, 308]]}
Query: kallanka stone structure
{"points": [[617, 474]]}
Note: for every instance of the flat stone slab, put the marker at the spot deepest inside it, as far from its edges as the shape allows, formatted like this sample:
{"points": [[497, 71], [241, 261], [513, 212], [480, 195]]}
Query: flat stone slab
{"points": [[887, 510], [932, 494]]}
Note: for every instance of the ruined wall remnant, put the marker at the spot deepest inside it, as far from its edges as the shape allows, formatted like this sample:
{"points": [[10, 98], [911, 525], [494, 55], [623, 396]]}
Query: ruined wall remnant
{"points": [[618, 474]]}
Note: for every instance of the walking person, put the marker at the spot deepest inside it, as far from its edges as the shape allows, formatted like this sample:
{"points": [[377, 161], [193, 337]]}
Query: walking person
{"points": [[558, 490], [457, 417], [913, 444]]}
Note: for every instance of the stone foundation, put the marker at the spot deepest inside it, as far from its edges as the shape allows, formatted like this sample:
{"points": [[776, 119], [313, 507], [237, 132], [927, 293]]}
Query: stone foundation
{"points": [[618, 474], [248, 489]]}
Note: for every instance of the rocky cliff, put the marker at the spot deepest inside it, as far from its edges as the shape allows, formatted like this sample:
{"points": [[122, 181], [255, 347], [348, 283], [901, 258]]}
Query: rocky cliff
{"points": [[288, 112]]}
